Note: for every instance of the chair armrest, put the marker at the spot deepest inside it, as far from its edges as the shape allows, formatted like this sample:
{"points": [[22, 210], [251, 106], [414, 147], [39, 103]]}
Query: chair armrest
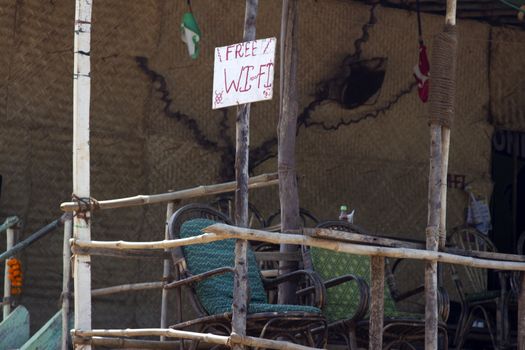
{"points": [[315, 284], [364, 293], [443, 300], [198, 278], [408, 294]]}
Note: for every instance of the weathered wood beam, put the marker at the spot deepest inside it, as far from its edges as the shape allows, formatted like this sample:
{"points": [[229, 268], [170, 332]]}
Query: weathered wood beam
{"points": [[166, 275], [219, 232], [66, 280], [254, 182], [83, 337], [126, 288], [287, 130], [377, 309], [242, 151], [81, 161]]}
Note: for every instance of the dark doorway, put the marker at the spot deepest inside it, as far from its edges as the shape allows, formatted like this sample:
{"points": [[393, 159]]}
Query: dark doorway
{"points": [[508, 196]]}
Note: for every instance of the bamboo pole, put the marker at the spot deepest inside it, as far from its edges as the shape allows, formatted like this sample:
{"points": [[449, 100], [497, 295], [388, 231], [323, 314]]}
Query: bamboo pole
{"points": [[119, 343], [219, 232], [445, 150], [165, 276], [242, 150], [437, 204], [81, 160], [66, 277], [126, 288], [287, 130], [259, 181], [521, 313], [432, 236], [398, 243], [207, 338], [150, 254], [375, 331], [10, 241]]}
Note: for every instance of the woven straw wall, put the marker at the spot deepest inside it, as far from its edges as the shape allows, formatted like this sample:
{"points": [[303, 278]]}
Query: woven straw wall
{"points": [[378, 166], [507, 84]]}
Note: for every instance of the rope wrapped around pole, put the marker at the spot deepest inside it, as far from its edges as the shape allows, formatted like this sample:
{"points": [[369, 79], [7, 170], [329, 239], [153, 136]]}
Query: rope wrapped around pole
{"points": [[443, 79]]}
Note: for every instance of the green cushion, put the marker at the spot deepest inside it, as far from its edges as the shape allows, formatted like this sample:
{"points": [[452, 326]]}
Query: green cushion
{"points": [[342, 300], [216, 293]]}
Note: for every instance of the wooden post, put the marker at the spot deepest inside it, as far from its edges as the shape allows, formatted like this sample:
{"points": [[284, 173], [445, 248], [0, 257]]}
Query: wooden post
{"points": [[10, 241], [432, 233], [165, 276], [81, 160], [240, 288], [442, 110], [521, 313], [287, 129], [377, 306], [66, 277]]}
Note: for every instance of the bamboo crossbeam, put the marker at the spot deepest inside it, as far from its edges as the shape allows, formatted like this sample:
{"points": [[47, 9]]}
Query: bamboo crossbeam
{"points": [[119, 343], [80, 337], [154, 254], [254, 182], [399, 243], [126, 288], [219, 232]]}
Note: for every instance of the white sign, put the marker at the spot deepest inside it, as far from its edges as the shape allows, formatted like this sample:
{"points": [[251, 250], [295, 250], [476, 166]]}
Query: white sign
{"points": [[243, 73]]}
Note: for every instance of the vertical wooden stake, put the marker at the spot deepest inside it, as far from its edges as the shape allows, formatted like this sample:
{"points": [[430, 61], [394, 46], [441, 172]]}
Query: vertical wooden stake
{"points": [[432, 235], [10, 241], [375, 331], [445, 148], [287, 129], [240, 287], [66, 277], [521, 313], [165, 275], [81, 161]]}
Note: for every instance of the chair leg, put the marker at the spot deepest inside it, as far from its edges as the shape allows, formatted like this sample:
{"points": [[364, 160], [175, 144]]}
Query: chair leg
{"points": [[461, 333], [500, 327], [352, 338], [462, 325]]}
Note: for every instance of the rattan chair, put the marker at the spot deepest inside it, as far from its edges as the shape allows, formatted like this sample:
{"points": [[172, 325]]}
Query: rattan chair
{"points": [[477, 301], [205, 271], [346, 306]]}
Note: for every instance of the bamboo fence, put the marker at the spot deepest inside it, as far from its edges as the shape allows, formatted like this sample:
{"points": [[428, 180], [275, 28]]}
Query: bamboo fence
{"points": [[330, 239], [219, 232], [262, 180], [230, 341]]}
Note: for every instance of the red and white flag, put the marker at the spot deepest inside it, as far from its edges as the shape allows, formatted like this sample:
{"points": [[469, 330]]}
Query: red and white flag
{"points": [[421, 73]]}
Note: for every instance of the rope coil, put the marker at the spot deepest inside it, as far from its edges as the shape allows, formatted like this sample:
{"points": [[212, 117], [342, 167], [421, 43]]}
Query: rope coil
{"points": [[443, 79]]}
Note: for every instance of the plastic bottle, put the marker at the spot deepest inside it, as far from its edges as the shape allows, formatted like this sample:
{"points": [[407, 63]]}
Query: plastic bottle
{"points": [[343, 216]]}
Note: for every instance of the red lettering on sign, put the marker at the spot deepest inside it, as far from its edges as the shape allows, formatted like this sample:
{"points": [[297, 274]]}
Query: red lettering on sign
{"points": [[265, 69], [246, 87], [228, 48], [245, 70], [238, 50], [267, 45]]}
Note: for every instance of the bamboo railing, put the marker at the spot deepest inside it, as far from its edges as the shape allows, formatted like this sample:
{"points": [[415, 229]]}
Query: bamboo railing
{"points": [[322, 238], [262, 180], [169, 198]]}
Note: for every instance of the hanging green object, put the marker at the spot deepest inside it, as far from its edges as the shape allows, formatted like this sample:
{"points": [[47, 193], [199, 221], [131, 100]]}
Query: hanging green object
{"points": [[191, 34]]}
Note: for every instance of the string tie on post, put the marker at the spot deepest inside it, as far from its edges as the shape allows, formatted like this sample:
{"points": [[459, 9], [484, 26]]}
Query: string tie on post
{"points": [[443, 79]]}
